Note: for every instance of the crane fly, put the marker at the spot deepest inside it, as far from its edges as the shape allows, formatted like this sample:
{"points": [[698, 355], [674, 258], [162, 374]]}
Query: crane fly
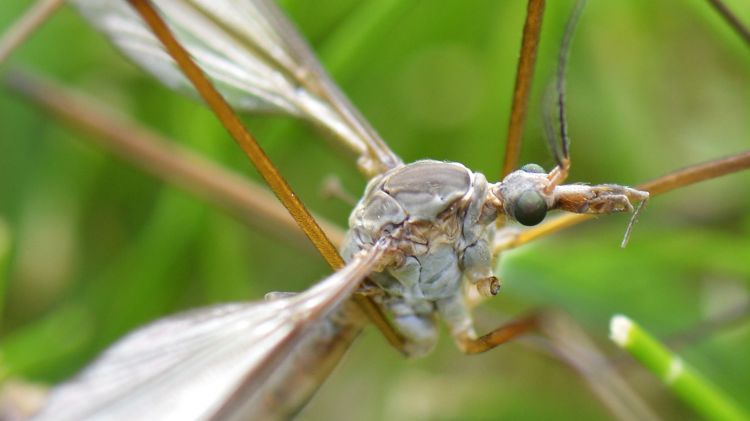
{"points": [[419, 230]]}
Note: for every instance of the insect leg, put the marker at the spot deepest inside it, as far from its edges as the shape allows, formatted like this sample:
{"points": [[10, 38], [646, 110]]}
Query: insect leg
{"points": [[498, 336], [262, 163], [26, 25], [524, 76], [456, 316], [477, 264]]}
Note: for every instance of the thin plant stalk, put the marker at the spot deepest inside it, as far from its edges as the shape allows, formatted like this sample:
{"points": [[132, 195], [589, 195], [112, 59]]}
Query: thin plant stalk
{"points": [[689, 385]]}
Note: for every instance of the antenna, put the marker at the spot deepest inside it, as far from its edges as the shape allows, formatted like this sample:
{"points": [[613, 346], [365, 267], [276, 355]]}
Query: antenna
{"points": [[562, 63], [561, 154]]}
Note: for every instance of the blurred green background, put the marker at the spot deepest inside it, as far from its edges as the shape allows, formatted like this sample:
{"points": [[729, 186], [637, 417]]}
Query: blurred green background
{"points": [[91, 247]]}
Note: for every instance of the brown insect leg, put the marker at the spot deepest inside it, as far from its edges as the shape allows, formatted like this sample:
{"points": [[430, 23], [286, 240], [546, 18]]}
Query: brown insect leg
{"points": [[239, 133], [262, 163], [558, 175], [499, 336], [524, 76]]}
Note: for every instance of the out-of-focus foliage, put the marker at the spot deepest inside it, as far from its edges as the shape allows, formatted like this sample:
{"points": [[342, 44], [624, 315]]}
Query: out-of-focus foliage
{"points": [[99, 247]]}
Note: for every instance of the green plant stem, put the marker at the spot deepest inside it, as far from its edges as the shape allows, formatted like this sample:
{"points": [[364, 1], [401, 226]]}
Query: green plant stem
{"points": [[683, 380]]}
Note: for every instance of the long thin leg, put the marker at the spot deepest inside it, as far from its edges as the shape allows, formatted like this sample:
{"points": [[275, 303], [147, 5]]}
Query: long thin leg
{"points": [[524, 76], [499, 336], [26, 25], [239, 133], [265, 167]]}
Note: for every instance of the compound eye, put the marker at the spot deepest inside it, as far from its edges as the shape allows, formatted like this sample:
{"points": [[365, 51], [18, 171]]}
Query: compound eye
{"points": [[530, 208], [533, 168]]}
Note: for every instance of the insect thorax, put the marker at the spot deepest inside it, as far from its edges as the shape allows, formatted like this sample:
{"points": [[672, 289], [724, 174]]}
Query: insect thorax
{"points": [[440, 216]]}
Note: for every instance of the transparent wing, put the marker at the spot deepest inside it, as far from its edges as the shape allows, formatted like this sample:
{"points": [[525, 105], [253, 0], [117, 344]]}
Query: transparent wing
{"points": [[208, 363], [255, 57]]}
